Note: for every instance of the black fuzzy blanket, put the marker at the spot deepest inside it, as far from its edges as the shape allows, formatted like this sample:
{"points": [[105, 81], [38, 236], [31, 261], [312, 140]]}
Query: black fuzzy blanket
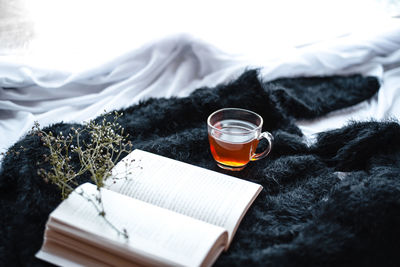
{"points": [[334, 203]]}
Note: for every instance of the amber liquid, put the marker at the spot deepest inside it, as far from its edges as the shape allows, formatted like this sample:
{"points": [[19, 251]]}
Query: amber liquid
{"points": [[234, 145]]}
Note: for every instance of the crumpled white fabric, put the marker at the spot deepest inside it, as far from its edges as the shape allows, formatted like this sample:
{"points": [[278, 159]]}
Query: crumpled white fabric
{"points": [[177, 65], [174, 66]]}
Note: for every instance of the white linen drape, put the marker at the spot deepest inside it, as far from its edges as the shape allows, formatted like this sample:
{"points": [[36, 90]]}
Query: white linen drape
{"points": [[177, 65]]}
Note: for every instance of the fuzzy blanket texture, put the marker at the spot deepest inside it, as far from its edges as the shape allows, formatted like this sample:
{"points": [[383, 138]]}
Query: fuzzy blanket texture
{"points": [[333, 203]]}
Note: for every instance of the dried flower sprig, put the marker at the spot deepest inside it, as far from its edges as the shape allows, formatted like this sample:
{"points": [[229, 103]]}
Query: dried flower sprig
{"points": [[97, 156]]}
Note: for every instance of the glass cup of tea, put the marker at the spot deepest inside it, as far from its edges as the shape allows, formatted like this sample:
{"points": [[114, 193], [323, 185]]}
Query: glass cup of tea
{"points": [[234, 134]]}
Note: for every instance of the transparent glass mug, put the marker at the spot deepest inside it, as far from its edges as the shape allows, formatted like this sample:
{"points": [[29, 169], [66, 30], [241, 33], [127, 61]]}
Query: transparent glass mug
{"points": [[234, 135]]}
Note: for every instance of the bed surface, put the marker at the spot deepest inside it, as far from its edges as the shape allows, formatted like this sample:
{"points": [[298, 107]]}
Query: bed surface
{"points": [[52, 70], [177, 65], [328, 142]]}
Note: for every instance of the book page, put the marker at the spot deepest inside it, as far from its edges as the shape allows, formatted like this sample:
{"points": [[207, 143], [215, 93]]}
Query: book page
{"points": [[206, 195], [156, 235]]}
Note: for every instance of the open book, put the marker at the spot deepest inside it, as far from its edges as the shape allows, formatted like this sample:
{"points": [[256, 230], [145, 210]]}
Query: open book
{"points": [[174, 213]]}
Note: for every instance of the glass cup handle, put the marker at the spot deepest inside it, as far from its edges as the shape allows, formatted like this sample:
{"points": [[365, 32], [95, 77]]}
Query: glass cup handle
{"points": [[263, 154]]}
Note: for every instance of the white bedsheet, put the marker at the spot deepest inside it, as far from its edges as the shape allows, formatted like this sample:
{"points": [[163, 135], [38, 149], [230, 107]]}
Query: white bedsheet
{"points": [[178, 64]]}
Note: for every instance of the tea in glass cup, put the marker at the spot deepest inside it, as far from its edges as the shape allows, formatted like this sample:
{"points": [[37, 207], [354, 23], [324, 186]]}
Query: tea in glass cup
{"points": [[234, 135]]}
